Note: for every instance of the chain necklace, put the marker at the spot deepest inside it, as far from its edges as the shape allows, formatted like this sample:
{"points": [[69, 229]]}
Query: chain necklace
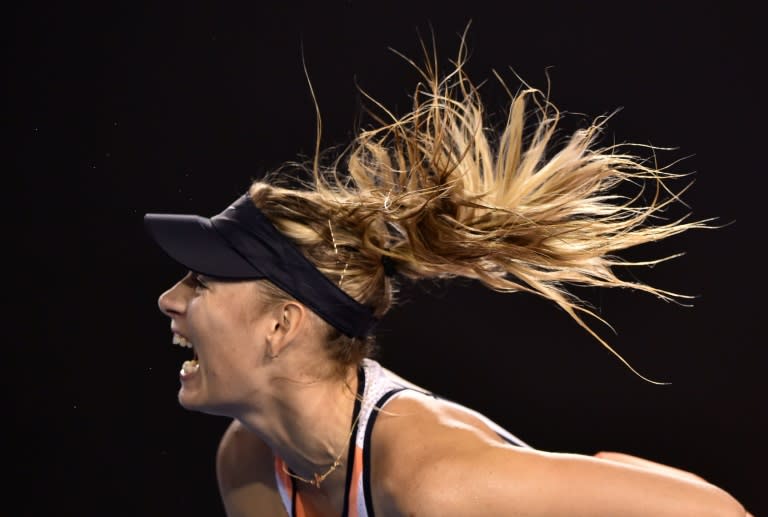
{"points": [[319, 478]]}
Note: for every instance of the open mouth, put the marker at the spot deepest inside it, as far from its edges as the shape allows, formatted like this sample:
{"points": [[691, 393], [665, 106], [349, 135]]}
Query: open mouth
{"points": [[192, 365]]}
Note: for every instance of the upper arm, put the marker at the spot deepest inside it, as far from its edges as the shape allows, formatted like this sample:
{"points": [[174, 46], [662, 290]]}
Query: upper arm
{"points": [[506, 481], [628, 459], [245, 474], [429, 465]]}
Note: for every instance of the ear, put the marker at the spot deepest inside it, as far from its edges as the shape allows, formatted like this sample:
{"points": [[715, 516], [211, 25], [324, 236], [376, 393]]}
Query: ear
{"points": [[286, 324]]}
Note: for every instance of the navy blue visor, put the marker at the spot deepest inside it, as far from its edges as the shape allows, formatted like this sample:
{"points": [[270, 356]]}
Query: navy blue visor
{"points": [[241, 243]]}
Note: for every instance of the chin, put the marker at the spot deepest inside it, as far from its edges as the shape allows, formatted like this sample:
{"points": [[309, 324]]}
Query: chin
{"points": [[188, 403]]}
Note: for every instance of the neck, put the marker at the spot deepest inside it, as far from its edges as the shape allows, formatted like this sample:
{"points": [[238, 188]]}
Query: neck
{"points": [[307, 423]]}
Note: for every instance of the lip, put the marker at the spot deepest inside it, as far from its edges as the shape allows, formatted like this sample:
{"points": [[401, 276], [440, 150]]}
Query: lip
{"points": [[176, 335], [175, 330]]}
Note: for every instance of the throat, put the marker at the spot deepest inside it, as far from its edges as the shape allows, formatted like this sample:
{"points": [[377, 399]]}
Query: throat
{"points": [[327, 477]]}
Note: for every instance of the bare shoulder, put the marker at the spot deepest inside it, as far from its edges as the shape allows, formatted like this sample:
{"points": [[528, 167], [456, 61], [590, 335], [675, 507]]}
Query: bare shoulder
{"points": [[414, 437], [242, 457], [428, 424], [429, 458], [245, 473]]}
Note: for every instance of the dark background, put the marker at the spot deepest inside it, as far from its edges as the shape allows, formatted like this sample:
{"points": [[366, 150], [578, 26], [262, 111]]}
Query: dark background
{"points": [[117, 109]]}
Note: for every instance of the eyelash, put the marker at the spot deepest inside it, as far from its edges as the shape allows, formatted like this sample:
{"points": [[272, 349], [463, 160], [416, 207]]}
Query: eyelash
{"points": [[199, 282]]}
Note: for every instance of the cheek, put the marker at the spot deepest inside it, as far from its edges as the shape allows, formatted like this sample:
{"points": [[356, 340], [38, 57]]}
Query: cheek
{"points": [[228, 325], [234, 333], [213, 326]]}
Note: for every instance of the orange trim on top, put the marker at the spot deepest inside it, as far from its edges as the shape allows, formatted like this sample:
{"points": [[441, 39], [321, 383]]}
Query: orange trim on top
{"points": [[284, 479], [301, 509], [304, 509], [354, 483]]}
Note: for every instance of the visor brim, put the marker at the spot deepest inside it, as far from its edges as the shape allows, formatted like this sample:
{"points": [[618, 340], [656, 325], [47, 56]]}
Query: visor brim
{"points": [[194, 242]]}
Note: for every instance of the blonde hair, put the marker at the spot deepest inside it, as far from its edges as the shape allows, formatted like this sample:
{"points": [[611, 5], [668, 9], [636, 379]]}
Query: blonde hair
{"points": [[443, 196]]}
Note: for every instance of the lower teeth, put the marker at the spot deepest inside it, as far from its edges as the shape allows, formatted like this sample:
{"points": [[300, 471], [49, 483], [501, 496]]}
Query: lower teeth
{"points": [[189, 367]]}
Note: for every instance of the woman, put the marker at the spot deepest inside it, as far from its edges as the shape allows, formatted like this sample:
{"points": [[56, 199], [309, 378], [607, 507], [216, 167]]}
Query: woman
{"points": [[286, 285]]}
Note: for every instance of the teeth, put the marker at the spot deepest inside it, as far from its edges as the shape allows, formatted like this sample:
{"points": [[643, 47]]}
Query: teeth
{"points": [[181, 341], [189, 367]]}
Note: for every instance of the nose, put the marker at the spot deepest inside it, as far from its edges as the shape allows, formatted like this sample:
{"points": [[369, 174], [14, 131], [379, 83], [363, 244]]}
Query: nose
{"points": [[174, 300]]}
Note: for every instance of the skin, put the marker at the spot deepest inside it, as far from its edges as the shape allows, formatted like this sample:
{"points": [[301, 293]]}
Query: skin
{"points": [[265, 367]]}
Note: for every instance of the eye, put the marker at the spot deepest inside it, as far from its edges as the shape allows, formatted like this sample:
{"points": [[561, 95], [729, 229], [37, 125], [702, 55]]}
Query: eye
{"points": [[200, 282]]}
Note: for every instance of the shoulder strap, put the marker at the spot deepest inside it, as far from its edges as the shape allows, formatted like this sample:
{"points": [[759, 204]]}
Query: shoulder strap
{"points": [[365, 484]]}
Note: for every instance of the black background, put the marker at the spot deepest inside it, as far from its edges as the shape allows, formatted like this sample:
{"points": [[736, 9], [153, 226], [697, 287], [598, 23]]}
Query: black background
{"points": [[118, 109]]}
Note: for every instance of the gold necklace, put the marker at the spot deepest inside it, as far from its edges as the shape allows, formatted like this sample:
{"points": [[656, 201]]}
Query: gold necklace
{"points": [[319, 478]]}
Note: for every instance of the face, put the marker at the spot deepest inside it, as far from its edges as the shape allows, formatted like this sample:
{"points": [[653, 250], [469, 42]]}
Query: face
{"points": [[224, 323]]}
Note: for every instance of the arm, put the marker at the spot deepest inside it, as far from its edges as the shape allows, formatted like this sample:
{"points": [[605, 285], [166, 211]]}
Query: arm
{"points": [[628, 459], [524, 482], [652, 465], [245, 474], [432, 465]]}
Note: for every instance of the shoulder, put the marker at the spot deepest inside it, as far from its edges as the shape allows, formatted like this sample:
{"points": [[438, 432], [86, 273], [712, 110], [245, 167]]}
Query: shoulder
{"points": [[430, 459], [417, 445], [245, 474], [242, 456]]}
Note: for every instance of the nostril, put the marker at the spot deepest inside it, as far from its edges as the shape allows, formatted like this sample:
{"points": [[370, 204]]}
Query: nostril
{"points": [[174, 300], [170, 302]]}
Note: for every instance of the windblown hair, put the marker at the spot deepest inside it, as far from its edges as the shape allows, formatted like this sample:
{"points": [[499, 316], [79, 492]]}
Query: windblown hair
{"points": [[443, 196]]}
